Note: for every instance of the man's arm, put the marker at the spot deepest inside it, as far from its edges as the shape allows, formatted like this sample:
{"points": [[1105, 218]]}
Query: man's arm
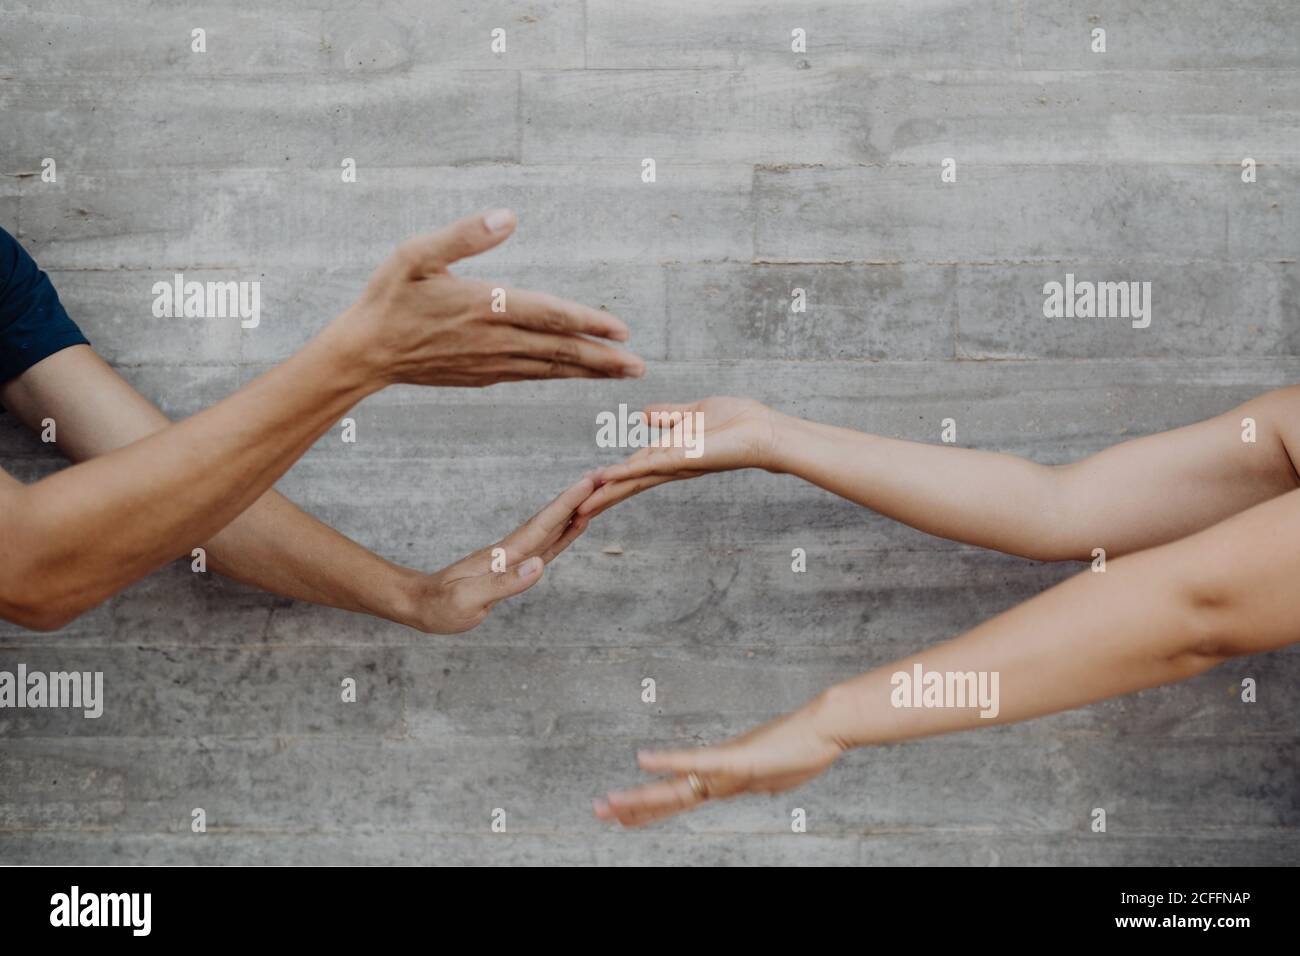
{"points": [[76, 537], [273, 544], [1151, 618], [1135, 495]]}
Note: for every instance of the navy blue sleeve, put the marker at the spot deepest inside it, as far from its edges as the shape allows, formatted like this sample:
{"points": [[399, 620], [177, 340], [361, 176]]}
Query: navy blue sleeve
{"points": [[33, 322]]}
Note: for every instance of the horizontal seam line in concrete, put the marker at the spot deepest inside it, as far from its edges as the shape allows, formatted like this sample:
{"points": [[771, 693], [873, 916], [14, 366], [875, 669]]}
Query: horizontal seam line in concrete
{"points": [[578, 833], [838, 64], [299, 278], [621, 741], [605, 163]]}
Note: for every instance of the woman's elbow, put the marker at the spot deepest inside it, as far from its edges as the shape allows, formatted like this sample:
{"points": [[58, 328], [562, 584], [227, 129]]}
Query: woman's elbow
{"points": [[1212, 617]]}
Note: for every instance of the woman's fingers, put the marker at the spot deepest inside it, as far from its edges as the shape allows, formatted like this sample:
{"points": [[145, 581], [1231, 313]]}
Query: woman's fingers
{"points": [[629, 465], [702, 774], [648, 461], [606, 496], [659, 409], [643, 804], [702, 760]]}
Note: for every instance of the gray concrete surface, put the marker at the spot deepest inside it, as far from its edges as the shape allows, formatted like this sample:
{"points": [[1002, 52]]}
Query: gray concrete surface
{"points": [[774, 170]]}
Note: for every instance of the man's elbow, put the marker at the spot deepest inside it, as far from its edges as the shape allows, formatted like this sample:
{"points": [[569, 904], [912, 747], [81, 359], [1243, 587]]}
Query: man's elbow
{"points": [[36, 616], [28, 601]]}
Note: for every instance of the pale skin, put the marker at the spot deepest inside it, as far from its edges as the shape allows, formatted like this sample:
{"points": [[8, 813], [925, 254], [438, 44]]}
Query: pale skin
{"points": [[1200, 530], [146, 491]]}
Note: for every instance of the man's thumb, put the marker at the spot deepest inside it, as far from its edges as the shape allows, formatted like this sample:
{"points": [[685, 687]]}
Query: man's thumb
{"points": [[518, 579], [464, 238]]}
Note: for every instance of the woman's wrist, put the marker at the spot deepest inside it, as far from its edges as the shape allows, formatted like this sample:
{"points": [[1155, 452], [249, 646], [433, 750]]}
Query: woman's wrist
{"points": [[779, 455], [793, 445], [831, 714]]}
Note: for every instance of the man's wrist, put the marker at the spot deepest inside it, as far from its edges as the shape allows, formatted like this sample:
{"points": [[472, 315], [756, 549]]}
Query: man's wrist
{"points": [[400, 597], [345, 344]]}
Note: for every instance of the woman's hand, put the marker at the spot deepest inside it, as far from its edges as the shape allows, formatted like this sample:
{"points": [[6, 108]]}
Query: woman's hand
{"points": [[418, 324], [731, 433], [774, 757], [461, 595]]}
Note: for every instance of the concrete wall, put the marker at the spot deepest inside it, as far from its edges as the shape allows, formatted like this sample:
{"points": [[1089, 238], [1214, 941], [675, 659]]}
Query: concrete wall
{"points": [[774, 170]]}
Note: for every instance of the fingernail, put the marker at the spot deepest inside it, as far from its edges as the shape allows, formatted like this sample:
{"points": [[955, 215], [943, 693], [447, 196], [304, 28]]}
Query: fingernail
{"points": [[599, 807], [530, 567], [633, 371], [498, 219]]}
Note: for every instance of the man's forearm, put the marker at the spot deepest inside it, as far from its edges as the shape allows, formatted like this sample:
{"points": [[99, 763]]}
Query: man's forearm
{"points": [[278, 547], [1133, 496], [77, 537], [273, 544], [1151, 618], [154, 499]]}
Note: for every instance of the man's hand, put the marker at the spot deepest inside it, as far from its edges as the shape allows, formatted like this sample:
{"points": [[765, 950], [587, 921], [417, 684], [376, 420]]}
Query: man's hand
{"points": [[733, 433], [418, 324], [772, 758], [152, 492], [461, 595]]}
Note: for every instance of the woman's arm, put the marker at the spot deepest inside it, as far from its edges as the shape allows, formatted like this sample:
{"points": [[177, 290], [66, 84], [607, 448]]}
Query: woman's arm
{"points": [[275, 545], [1135, 495], [1151, 618]]}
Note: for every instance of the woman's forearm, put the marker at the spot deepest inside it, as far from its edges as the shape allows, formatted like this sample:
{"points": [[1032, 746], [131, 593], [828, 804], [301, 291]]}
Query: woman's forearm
{"points": [[1135, 495], [1151, 618], [979, 497]]}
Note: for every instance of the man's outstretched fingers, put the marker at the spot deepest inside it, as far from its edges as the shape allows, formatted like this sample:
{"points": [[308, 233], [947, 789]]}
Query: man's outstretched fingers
{"points": [[541, 531], [576, 350], [543, 312], [538, 529], [528, 370], [434, 251], [571, 534], [498, 585]]}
